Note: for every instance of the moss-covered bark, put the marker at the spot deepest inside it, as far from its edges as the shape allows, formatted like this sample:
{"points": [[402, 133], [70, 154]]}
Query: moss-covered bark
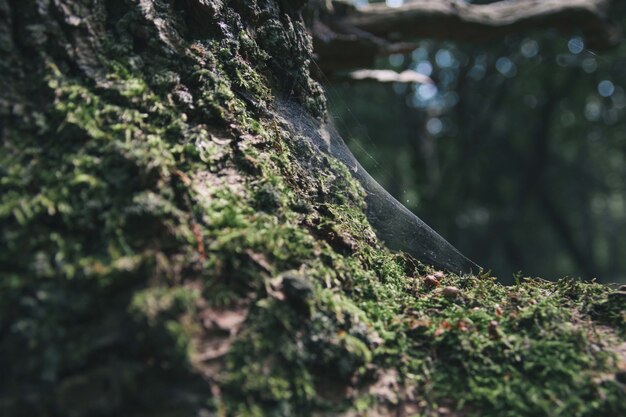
{"points": [[170, 248]]}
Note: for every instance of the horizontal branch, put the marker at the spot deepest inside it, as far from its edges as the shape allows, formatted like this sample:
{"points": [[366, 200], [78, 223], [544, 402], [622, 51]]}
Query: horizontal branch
{"points": [[456, 20], [351, 47], [389, 76]]}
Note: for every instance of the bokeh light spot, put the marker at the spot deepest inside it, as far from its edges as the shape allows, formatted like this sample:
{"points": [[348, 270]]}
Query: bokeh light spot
{"points": [[529, 48], [576, 45], [427, 91], [434, 126], [606, 88], [424, 67], [506, 67], [444, 58]]}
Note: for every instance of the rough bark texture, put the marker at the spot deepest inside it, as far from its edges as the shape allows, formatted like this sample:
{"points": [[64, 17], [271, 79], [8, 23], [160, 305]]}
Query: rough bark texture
{"points": [[169, 247]]}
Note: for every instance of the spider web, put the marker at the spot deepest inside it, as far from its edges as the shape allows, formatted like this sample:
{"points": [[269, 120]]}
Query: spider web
{"points": [[394, 224]]}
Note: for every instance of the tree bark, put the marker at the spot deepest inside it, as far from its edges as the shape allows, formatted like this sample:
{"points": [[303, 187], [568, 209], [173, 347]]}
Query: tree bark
{"points": [[170, 245]]}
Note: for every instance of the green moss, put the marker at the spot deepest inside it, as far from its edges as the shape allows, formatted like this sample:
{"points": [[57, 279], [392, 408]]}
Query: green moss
{"points": [[139, 206]]}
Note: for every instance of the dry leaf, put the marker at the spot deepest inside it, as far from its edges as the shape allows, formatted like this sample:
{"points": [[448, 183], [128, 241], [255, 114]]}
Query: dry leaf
{"points": [[462, 325], [431, 281]]}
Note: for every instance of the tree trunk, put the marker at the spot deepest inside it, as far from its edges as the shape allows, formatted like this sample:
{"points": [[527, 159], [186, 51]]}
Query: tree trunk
{"points": [[172, 246]]}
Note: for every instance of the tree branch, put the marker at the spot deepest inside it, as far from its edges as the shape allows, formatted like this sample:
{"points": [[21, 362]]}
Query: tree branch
{"points": [[455, 20]]}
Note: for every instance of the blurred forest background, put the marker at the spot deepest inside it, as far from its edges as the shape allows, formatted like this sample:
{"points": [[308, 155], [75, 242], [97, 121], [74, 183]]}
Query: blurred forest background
{"points": [[516, 153]]}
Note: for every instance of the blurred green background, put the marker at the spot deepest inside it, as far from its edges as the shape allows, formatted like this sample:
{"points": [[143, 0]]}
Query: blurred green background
{"points": [[516, 154]]}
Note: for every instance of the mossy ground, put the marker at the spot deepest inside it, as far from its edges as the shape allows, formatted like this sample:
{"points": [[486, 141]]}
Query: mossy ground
{"points": [[169, 246]]}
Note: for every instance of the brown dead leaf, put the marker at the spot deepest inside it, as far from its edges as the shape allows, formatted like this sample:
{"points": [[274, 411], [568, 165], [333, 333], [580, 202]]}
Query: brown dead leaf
{"points": [[499, 310], [462, 325], [197, 233], [414, 324], [443, 327], [431, 281]]}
